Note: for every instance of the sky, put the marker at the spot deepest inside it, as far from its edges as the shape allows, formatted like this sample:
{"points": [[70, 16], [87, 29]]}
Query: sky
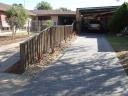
{"points": [[70, 4]]}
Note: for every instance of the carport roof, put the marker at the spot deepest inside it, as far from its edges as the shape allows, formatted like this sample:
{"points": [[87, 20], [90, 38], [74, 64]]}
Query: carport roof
{"points": [[88, 10]]}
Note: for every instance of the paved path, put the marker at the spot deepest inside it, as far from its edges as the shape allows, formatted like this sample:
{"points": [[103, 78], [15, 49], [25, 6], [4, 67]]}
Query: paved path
{"points": [[9, 55], [88, 68], [10, 83]]}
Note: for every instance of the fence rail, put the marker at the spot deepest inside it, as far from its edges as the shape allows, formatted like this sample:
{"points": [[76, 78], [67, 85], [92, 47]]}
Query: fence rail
{"points": [[46, 41]]}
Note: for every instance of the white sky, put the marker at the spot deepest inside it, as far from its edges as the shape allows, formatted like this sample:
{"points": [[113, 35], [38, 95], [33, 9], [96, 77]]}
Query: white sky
{"points": [[71, 4]]}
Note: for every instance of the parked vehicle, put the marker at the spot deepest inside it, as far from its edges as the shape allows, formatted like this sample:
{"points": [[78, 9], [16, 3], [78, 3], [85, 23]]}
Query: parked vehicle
{"points": [[94, 25]]}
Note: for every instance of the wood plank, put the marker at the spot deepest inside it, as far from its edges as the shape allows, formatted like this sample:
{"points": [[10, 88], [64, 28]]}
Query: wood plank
{"points": [[33, 48]]}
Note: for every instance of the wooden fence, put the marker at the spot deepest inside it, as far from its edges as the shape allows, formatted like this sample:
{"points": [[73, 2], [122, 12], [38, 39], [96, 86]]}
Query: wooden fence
{"points": [[45, 41]]}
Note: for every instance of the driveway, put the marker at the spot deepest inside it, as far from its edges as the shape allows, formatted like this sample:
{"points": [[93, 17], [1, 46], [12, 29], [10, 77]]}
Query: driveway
{"points": [[88, 68]]}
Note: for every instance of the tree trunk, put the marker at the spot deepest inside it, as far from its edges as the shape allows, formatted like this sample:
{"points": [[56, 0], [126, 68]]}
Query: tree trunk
{"points": [[13, 32], [28, 29]]}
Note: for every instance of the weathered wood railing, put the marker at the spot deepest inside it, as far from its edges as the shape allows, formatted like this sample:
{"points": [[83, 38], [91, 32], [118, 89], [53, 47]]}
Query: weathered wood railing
{"points": [[46, 41]]}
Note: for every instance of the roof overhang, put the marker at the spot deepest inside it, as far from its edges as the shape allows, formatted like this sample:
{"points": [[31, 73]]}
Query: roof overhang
{"points": [[56, 15], [53, 13], [90, 10]]}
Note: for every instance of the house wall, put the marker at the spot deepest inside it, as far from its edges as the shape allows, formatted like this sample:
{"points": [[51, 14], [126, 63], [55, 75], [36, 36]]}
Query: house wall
{"points": [[105, 20], [41, 18], [0, 21], [66, 19], [78, 21], [3, 23], [55, 19], [1, 13]]}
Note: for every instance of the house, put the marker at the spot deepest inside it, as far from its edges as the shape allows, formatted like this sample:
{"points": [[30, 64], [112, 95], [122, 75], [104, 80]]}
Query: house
{"points": [[58, 17], [4, 26], [102, 14]]}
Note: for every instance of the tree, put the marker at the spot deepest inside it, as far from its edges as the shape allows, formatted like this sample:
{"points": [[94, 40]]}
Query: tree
{"points": [[120, 19], [43, 5], [16, 17], [64, 9]]}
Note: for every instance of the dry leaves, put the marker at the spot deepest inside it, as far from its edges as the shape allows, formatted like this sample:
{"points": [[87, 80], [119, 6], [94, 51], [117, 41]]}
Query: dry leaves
{"points": [[47, 59]]}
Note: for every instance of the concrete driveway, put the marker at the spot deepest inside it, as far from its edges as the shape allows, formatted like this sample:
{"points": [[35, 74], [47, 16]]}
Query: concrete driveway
{"points": [[88, 68]]}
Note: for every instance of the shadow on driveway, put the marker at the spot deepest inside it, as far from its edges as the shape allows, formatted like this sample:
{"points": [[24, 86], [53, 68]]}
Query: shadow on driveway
{"points": [[80, 71]]}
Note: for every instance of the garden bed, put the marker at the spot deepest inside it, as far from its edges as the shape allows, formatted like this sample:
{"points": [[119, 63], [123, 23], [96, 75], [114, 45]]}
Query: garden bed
{"points": [[5, 40], [47, 59]]}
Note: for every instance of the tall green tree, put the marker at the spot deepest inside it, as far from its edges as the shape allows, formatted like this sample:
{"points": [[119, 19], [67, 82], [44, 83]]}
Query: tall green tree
{"points": [[43, 5], [120, 19], [16, 17]]}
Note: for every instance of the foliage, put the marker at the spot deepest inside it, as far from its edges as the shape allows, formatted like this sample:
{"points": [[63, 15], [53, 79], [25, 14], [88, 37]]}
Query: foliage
{"points": [[43, 5], [119, 43], [120, 19], [64, 9], [16, 16], [48, 23]]}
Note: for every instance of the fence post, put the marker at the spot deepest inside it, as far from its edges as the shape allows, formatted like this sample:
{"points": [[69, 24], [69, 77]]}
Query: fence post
{"points": [[22, 57], [48, 39], [39, 27]]}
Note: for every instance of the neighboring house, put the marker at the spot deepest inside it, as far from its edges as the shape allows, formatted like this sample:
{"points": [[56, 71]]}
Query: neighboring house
{"points": [[4, 26], [59, 17]]}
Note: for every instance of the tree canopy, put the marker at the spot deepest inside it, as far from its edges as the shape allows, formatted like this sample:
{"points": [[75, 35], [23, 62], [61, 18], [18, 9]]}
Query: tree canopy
{"points": [[43, 5], [120, 19], [16, 16]]}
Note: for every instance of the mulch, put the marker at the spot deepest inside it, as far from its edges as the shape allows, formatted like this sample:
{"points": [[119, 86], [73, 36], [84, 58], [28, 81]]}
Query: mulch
{"points": [[48, 59]]}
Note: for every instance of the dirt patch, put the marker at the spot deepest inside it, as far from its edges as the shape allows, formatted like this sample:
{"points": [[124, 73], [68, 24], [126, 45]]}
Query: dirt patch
{"points": [[5, 40], [123, 58]]}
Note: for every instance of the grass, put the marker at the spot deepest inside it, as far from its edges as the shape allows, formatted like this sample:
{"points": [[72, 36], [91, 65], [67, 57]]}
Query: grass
{"points": [[120, 45], [23, 33], [17, 34], [6, 38]]}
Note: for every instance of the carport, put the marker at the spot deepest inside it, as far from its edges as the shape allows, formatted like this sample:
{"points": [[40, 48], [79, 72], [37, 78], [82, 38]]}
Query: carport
{"points": [[102, 14]]}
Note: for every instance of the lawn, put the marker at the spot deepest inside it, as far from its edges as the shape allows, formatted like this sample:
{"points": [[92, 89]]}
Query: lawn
{"points": [[17, 33], [120, 45]]}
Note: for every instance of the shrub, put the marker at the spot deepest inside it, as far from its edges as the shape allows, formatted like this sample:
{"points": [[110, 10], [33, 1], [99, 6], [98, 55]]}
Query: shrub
{"points": [[46, 24], [49, 23], [119, 20]]}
